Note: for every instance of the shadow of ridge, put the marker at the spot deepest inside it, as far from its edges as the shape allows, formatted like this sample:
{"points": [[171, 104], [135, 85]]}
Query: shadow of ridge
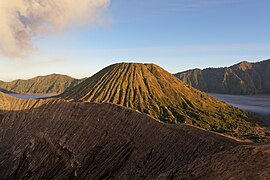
{"points": [[34, 103], [73, 139]]}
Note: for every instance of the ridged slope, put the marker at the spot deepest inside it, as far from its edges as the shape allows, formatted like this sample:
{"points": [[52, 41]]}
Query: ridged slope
{"points": [[50, 84], [65, 140], [243, 78], [152, 90]]}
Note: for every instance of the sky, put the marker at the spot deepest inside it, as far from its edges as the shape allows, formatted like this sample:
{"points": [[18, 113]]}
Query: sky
{"points": [[82, 38]]}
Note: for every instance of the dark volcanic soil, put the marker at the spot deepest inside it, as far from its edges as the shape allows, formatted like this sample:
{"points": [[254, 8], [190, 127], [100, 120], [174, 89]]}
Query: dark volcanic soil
{"points": [[53, 139]]}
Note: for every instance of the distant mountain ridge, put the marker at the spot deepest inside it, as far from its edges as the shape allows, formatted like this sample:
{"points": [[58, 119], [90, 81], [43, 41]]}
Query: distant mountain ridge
{"points": [[243, 78], [152, 90], [49, 84]]}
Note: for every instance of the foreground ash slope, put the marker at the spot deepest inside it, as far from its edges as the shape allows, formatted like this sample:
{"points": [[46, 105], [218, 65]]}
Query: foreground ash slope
{"points": [[243, 78], [154, 91], [54, 84], [53, 139]]}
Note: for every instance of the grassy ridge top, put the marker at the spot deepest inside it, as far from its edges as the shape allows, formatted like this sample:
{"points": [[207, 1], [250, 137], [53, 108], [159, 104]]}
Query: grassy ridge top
{"points": [[150, 89], [54, 83]]}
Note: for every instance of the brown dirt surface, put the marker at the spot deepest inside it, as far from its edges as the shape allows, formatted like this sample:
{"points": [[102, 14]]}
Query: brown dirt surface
{"points": [[55, 139]]}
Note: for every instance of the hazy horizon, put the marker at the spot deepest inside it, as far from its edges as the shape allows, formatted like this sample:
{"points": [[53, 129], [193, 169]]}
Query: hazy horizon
{"points": [[81, 77]]}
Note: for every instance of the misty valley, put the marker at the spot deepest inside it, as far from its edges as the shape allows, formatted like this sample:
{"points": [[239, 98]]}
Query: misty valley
{"points": [[31, 96], [259, 104]]}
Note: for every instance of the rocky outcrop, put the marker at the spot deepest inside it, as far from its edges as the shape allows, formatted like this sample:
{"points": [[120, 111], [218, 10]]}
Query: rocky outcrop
{"points": [[243, 78], [54, 139], [50, 84]]}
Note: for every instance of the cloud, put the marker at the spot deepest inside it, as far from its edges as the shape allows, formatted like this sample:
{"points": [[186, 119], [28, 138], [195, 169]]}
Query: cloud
{"points": [[21, 20]]}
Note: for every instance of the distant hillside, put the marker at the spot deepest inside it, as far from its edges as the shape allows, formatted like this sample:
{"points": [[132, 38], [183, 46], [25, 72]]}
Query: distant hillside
{"points": [[243, 78], [150, 89], [55, 139], [50, 84]]}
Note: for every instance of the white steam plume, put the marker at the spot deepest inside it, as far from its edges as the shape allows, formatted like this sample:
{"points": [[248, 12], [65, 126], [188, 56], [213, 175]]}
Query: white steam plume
{"points": [[20, 20]]}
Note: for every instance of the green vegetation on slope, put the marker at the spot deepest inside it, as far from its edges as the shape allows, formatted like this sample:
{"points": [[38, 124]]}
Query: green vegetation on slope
{"points": [[51, 84], [243, 78], [150, 89]]}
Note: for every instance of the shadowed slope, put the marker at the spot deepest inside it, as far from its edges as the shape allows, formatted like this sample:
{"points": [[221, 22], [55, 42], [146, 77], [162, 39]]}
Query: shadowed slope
{"points": [[152, 90], [243, 78], [54, 83], [64, 140]]}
